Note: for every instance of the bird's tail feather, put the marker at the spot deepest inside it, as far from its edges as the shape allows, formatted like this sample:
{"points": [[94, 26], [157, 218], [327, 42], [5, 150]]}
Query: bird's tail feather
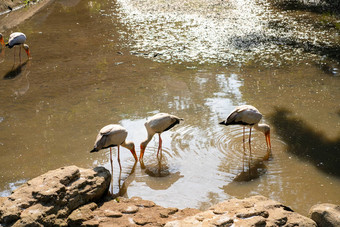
{"points": [[223, 123], [94, 150]]}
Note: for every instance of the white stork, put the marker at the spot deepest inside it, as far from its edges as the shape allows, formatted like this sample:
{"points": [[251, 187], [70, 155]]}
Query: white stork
{"points": [[111, 136], [159, 123], [18, 38], [248, 115]]}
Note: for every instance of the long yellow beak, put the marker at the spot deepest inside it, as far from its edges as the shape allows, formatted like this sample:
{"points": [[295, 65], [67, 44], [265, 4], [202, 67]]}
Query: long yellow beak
{"points": [[268, 140], [133, 152], [28, 53], [142, 150]]}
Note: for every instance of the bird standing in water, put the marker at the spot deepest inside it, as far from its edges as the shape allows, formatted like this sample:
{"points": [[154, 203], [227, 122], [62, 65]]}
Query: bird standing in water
{"points": [[111, 136], [159, 123], [18, 38], [247, 115]]}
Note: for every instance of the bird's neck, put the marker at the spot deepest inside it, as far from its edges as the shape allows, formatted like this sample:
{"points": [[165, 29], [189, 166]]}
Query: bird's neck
{"points": [[150, 132], [260, 127], [145, 142], [127, 144]]}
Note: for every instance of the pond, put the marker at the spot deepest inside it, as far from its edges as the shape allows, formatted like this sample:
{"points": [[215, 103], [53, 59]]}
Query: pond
{"points": [[113, 62]]}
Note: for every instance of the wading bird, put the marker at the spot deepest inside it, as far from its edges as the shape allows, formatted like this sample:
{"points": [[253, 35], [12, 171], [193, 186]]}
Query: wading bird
{"points": [[2, 40], [248, 115], [111, 136], [18, 38], [159, 123]]}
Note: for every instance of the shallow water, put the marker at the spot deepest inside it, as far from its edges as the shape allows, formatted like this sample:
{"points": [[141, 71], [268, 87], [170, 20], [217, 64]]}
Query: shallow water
{"points": [[97, 62]]}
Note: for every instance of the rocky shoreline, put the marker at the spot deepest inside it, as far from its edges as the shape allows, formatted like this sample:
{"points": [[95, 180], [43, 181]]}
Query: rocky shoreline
{"points": [[73, 196]]}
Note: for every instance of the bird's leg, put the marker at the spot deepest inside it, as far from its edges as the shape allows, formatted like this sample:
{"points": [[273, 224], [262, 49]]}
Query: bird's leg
{"points": [[250, 141], [14, 55], [111, 170], [20, 54], [111, 185], [159, 167], [160, 144], [119, 180], [111, 163], [249, 148], [120, 166], [244, 148]]}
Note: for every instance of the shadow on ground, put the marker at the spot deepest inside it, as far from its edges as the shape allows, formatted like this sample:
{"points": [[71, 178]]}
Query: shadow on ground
{"points": [[15, 71], [306, 143]]}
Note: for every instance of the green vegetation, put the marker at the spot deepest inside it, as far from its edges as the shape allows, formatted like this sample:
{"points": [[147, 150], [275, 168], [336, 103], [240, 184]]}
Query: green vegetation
{"points": [[27, 2]]}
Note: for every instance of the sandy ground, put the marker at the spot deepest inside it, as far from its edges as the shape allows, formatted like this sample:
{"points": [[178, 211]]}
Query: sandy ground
{"points": [[20, 12]]}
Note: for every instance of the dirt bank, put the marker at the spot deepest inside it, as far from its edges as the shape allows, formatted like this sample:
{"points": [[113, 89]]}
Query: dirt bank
{"points": [[13, 12]]}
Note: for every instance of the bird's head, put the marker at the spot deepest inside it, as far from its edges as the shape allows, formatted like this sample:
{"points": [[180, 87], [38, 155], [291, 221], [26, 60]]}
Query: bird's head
{"points": [[267, 135], [27, 49], [131, 147], [142, 150]]}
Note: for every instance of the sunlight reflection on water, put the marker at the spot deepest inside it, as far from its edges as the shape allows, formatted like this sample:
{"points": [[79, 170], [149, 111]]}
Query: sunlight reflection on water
{"points": [[229, 32]]}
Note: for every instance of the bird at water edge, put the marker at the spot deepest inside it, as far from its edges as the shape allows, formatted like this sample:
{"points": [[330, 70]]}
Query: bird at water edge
{"points": [[111, 136], [159, 123], [247, 115], [18, 39]]}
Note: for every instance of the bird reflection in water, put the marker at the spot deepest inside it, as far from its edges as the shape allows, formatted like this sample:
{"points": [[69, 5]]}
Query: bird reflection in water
{"points": [[122, 188], [255, 169], [159, 175], [19, 75], [157, 169]]}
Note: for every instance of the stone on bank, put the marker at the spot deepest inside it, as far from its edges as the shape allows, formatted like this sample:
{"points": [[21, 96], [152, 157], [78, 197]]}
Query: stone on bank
{"points": [[51, 197], [72, 196]]}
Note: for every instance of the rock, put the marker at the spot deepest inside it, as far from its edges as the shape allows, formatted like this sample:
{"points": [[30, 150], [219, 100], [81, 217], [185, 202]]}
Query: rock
{"points": [[130, 209], [82, 214], [112, 214], [325, 215], [70, 196], [136, 211], [51, 197], [253, 211]]}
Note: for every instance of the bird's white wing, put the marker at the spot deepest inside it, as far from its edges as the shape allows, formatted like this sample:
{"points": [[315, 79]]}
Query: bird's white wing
{"points": [[110, 135], [246, 114], [162, 121], [16, 38]]}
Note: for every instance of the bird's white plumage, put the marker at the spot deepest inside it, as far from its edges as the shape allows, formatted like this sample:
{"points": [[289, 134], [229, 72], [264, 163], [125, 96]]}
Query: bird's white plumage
{"points": [[246, 114], [16, 38], [110, 135], [157, 124], [161, 121]]}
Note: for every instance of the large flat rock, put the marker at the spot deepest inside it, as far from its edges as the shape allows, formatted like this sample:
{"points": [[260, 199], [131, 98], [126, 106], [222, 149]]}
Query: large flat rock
{"points": [[51, 197], [252, 211], [127, 212]]}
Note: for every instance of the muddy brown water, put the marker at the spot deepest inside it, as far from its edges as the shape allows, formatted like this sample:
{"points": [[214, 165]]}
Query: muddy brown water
{"points": [[100, 62]]}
